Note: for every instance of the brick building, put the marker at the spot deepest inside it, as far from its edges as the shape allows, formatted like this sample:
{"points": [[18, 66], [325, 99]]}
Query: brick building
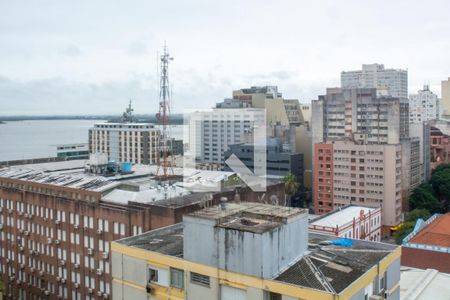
{"points": [[428, 246], [57, 221]]}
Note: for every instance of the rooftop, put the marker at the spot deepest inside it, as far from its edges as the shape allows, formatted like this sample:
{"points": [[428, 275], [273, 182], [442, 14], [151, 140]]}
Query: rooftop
{"points": [[140, 186], [341, 217], [421, 284], [437, 233], [323, 267]]}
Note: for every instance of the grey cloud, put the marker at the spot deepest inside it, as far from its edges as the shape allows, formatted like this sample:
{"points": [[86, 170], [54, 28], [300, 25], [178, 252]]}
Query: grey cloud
{"points": [[137, 49]]}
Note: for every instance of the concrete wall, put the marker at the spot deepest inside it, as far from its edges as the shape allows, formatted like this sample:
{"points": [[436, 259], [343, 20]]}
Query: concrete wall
{"points": [[197, 291], [261, 255]]}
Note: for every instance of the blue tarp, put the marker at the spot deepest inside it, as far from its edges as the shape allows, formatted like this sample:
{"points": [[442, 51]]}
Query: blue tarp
{"points": [[342, 242]]}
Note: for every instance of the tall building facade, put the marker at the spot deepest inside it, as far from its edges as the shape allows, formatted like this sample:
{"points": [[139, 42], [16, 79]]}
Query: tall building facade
{"points": [[423, 106], [362, 152], [213, 131], [125, 142], [393, 82], [445, 90]]}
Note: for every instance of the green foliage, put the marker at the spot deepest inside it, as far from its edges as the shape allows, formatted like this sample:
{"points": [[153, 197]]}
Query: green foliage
{"points": [[290, 184], [416, 214], [423, 197], [400, 234]]}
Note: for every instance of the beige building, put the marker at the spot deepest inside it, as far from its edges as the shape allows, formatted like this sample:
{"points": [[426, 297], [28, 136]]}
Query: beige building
{"points": [[125, 142], [291, 118], [369, 175], [446, 97]]}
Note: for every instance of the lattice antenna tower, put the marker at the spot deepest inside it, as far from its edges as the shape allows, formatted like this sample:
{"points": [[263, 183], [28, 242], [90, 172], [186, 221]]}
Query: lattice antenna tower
{"points": [[164, 157]]}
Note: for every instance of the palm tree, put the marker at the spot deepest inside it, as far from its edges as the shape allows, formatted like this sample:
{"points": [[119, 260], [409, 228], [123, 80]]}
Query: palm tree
{"points": [[290, 186]]}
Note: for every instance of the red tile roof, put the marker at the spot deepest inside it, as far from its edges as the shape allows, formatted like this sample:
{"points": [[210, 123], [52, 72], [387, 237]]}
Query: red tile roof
{"points": [[437, 233]]}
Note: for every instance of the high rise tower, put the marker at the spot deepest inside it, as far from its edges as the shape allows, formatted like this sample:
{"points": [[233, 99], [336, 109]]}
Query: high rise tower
{"points": [[164, 160]]}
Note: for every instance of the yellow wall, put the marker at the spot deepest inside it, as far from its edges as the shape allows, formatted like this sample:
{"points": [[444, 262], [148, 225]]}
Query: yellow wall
{"points": [[243, 281]]}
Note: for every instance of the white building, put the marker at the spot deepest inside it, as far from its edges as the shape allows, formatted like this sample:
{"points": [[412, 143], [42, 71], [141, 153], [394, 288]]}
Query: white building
{"points": [[211, 132], [394, 82], [355, 222], [125, 142], [423, 106]]}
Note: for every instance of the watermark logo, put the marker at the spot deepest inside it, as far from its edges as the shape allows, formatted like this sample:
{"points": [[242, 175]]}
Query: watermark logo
{"points": [[230, 140]]}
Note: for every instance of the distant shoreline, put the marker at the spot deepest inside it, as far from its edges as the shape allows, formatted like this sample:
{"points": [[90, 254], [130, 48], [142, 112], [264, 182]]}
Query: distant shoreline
{"points": [[176, 119]]}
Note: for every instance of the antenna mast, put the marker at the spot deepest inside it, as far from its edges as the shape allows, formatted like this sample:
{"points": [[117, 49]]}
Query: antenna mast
{"points": [[163, 117]]}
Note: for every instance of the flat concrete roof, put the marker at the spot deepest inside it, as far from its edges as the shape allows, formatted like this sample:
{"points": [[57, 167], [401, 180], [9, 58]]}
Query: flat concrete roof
{"points": [[339, 266], [421, 284], [341, 217]]}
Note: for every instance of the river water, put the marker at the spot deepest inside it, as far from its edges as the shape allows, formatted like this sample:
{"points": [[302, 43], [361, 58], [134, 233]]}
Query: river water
{"points": [[36, 138]]}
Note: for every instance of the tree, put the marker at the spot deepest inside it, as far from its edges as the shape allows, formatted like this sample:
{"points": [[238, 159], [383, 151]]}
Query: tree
{"points": [[416, 214], [423, 197], [291, 185], [440, 181], [410, 222]]}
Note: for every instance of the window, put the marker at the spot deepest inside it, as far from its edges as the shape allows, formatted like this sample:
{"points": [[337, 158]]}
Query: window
{"points": [[199, 279], [153, 275], [176, 278], [274, 296]]}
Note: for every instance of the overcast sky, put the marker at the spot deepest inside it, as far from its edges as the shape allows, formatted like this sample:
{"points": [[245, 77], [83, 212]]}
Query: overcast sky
{"points": [[90, 57]]}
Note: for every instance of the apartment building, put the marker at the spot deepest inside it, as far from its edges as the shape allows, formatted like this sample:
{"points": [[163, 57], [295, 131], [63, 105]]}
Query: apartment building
{"points": [[423, 106], [211, 132], [125, 142], [57, 222], [289, 115], [351, 221], [342, 112], [440, 147], [393, 82], [250, 251], [445, 93], [349, 173]]}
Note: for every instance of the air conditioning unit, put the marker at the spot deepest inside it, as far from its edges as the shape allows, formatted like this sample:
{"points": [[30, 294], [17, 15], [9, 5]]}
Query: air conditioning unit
{"points": [[8, 261], [90, 291], [46, 292], [90, 251], [376, 297], [21, 248], [105, 255], [18, 281], [10, 211], [45, 219], [57, 222], [76, 266], [63, 280], [99, 272], [41, 273], [58, 279], [57, 242], [76, 285], [99, 231], [99, 293], [21, 231], [86, 228], [25, 215], [62, 262], [22, 266], [32, 270], [35, 252], [12, 278], [76, 226], [1, 226], [20, 213], [27, 233], [105, 296], [49, 241], [30, 216]]}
